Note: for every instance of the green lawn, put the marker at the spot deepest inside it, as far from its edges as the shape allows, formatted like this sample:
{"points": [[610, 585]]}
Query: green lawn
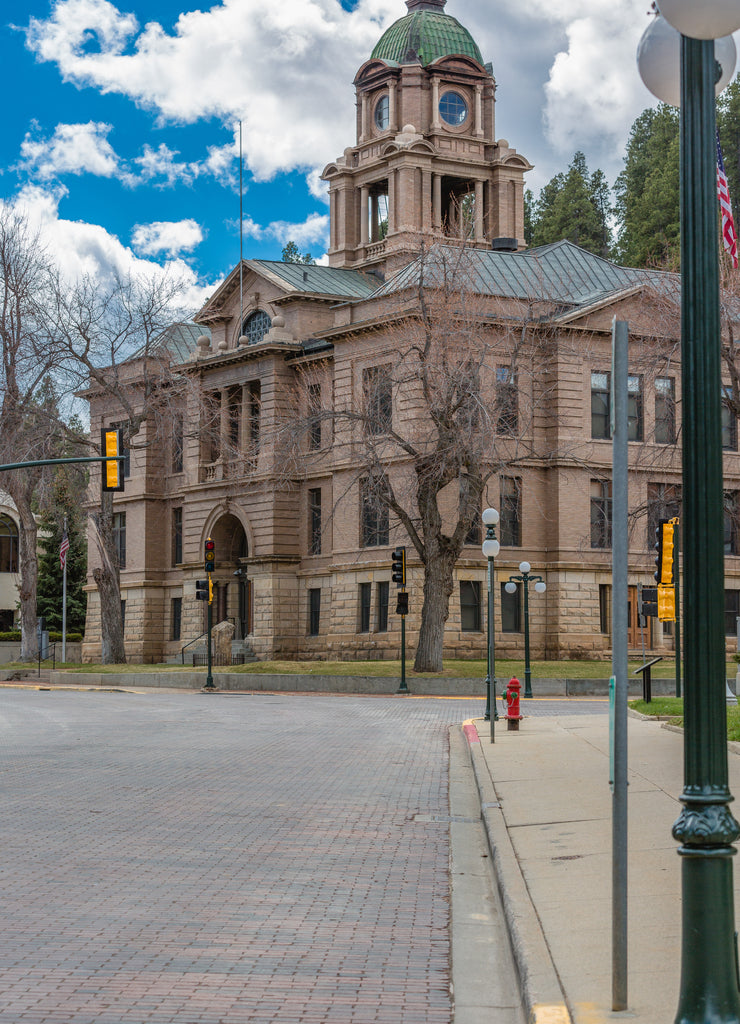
{"points": [[673, 707]]}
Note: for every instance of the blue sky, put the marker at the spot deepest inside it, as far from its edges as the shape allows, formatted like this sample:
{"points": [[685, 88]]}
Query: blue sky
{"points": [[121, 116]]}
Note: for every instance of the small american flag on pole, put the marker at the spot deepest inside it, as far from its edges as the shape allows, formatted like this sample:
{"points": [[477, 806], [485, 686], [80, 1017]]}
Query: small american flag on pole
{"points": [[723, 194], [63, 549]]}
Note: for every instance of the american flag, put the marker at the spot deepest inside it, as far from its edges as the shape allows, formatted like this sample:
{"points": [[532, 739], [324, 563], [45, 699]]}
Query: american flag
{"points": [[723, 194], [63, 549]]}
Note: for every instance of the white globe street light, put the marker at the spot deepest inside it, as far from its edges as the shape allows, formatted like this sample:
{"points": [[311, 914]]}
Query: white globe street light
{"points": [[706, 19], [659, 61]]}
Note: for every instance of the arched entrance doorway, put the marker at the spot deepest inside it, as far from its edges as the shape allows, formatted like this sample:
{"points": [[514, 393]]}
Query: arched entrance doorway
{"points": [[232, 597]]}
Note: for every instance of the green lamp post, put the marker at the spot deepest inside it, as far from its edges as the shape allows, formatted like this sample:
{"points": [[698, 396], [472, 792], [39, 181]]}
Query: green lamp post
{"points": [[540, 587], [491, 548], [705, 829]]}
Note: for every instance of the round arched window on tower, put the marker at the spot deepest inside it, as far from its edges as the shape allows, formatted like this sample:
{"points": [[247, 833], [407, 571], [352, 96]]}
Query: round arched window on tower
{"points": [[382, 113], [256, 327], [453, 109]]}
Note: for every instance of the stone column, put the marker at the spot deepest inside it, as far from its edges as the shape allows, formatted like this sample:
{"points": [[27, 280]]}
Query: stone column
{"points": [[363, 119], [364, 209], [392, 106], [435, 105], [478, 110], [479, 232], [437, 202]]}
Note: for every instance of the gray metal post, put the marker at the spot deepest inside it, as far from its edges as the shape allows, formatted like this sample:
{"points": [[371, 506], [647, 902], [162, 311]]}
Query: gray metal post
{"points": [[620, 358]]}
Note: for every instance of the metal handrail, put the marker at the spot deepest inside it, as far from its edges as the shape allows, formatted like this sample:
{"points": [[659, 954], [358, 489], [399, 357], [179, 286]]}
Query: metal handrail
{"points": [[50, 657], [190, 643]]}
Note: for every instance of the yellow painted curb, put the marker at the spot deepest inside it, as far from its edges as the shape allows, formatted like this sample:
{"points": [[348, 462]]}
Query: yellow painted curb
{"points": [[541, 1014]]}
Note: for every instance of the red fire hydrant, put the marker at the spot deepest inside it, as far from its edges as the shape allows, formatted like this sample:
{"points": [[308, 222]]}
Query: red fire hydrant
{"points": [[510, 697]]}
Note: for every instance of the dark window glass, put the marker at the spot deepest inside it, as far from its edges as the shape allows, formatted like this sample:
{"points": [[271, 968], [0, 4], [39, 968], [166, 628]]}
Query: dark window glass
{"points": [[634, 408], [664, 502], [470, 606], [601, 514], [730, 522], [605, 608], [8, 544], [729, 423], [732, 610], [378, 395], [453, 109], [119, 538], [176, 618], [510, 523], [234, 412], [123, 613], [314, 521], [176, 536], [374, 517], [507, 401], [382, 109], [511, 610], [365, 598], [665, 410], [474, 534], [255, 405], [177, 442], [601, 406], [314, 410], [382, 606], [314, 611], [256, 326]]}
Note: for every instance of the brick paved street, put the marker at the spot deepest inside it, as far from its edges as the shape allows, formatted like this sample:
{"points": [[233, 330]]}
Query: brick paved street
{"points": [[224, 858]]}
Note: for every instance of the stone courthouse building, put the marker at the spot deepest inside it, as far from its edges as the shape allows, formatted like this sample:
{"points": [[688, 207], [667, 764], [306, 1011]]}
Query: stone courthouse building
{"points": [[303, 561]]}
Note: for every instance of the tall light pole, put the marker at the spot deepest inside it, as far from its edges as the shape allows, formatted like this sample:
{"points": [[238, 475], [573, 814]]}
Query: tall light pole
{"points": [[705, 829], [540, 587], [491, 548]]}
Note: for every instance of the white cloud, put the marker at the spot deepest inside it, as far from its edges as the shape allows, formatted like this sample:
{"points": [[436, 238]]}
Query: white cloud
{"points": [[72, 149], [169, 237], [314, 229], [277, 67], [80, 249]]}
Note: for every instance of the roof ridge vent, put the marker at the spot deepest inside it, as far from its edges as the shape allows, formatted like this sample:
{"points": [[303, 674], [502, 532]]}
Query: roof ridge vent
{"points": [[504, 244]]}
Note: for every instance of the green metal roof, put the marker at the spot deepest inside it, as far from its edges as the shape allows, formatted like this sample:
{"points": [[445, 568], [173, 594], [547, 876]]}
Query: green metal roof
{"points": [[319, 280], [427, 34]]}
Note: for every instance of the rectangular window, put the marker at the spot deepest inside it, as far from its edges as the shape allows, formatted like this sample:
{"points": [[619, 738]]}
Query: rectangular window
{"points": [[378, 395], [178, 443], [729, 423], [605, 608], [507, 401], [374, 516], [664, 502], [255, 407], [732, 611], [382, 606], [119, 538], [665, 410], [314, 611], [601, 514], [634, 408], [314, 521], [234, 414], [511, 610], [601, 427], [175, 618], [470, 621], [510, 523], [365, 598], [730, 522], [314, 417], [176, 536]]}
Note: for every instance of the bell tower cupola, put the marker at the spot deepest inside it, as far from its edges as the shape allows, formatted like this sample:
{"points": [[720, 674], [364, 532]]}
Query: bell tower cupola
{"points": [[425, 163]]}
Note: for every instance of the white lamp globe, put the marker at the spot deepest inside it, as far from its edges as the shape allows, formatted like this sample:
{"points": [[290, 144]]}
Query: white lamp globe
{"points": [[540, 587], [524, 567], [510, 587], [659, 61], [490, 517], [708, 19], [490, 548]]}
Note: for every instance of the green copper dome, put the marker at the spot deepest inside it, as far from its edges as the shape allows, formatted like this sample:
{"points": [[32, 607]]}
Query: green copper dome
{"points": [[427, 33]]}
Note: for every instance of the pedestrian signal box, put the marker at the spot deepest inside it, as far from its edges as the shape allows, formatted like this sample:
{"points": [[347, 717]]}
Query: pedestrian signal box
{"points": [[398, 567]]}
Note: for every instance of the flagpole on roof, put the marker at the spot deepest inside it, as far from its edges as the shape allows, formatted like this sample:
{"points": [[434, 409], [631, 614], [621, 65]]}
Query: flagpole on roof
{"points": [[241, 236]]}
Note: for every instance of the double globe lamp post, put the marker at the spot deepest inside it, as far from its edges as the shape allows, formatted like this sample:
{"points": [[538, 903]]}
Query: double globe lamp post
{"points": [[491, 548], [684, 58], [540, 587]]}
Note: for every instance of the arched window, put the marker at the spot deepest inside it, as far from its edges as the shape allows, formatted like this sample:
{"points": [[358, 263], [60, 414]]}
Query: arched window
{"points": [[382, 113], [256, 326], [8, 544]]}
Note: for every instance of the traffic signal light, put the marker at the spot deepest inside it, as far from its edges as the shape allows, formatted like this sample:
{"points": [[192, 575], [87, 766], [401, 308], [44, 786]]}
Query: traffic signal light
{"points": [[666, 603], [210, 555], [664, 561], [202, 590], [111, 444], [647, 602], [398, 567], [402, 603]]}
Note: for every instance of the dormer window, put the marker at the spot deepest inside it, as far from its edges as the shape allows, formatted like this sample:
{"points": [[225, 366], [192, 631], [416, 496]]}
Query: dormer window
{"points": [[382, 113], [453, 109], [256, 326]]}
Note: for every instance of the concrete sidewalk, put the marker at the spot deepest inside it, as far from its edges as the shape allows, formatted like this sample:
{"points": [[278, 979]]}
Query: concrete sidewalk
{"points": [[547, 809]]}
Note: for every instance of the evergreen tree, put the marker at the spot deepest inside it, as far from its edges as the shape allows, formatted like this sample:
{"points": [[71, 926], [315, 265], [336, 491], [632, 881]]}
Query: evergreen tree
{"points": [[292, 254], [575, 206], [647, 192], [50, 583]]}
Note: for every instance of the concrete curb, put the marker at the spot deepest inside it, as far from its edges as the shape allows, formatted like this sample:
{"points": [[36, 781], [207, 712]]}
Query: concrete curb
{"points": [[542, 994]]}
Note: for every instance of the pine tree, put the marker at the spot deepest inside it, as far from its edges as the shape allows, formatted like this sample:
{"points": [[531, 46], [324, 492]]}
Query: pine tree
{"points": [[575, 206], [647, 192], [292, 254], [50, 583]]}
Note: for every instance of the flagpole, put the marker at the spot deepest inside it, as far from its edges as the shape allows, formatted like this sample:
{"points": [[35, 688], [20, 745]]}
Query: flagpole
{"points": [[64, 599]]}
